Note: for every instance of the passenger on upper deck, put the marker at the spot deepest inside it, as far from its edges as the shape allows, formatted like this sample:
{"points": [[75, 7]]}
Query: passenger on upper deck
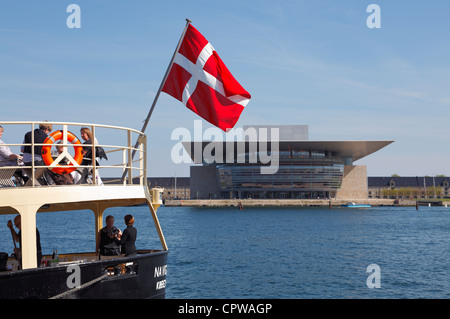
{"points": [[40, 134], [88, 137], [62, 179], [8, 158]]}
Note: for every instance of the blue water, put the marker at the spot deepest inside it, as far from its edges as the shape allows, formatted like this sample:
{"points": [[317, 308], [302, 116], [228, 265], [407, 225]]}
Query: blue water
{"points": [[279, 252]]}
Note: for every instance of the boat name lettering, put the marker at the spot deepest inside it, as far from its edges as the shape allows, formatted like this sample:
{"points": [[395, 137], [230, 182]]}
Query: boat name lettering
{"points": [[161, 284], [160, 271]]}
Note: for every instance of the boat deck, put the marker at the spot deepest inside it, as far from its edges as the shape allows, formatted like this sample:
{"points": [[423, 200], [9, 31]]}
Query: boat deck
{"points": [[33, 196]]}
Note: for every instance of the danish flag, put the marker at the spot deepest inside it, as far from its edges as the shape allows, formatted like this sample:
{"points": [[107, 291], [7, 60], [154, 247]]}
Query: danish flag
{"points": [[201, 81]]}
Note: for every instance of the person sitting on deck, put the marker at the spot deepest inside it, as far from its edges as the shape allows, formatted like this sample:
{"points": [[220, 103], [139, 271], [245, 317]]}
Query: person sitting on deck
{"points": [[40, 134], [106, 244], [88, 137], [8, 158], [63, 179]]}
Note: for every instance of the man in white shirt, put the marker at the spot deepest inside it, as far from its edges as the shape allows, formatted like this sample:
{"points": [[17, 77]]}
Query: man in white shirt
{"points": [[7, 158]]}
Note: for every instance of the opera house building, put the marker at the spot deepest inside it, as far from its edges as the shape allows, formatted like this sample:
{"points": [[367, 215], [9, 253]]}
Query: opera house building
{"points": [[281, 163]]}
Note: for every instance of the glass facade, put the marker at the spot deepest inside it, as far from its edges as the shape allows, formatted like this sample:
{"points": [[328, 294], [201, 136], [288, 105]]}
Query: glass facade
{"points": [[301, 174]]}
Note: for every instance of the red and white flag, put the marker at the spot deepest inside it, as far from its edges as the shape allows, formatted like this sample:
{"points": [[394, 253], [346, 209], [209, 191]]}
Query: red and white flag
{"points": [[200, 80]]}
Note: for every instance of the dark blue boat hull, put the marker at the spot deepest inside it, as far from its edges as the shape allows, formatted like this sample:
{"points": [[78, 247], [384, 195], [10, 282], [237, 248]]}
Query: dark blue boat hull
{"points": [[138, 277]]}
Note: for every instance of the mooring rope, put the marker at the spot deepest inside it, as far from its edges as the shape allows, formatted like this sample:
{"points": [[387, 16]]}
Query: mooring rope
{"points": [[61, 295]]}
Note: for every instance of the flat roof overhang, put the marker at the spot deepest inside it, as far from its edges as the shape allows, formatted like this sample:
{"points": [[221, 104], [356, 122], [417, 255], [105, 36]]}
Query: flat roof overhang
{"points": [[355, 150]]}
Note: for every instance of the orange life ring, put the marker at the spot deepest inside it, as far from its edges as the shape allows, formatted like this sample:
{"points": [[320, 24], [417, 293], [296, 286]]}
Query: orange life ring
{"points": [[47, 154]]}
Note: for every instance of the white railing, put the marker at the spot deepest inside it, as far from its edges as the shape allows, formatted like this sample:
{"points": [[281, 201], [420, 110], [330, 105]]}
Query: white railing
{"points": [[124, 147]]}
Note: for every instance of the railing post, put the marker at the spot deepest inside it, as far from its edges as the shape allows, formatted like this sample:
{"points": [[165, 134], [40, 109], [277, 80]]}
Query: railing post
{"points": [[130, 159], [94, 159], [32, 155], [124, 165]]}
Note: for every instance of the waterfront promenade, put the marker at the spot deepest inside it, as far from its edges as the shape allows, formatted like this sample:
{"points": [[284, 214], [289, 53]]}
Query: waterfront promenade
{"points": [[283, 202]]}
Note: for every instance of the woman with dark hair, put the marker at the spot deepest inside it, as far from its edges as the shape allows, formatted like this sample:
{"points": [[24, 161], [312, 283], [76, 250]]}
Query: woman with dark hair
{"points": [[128, 239], [88, 137]]}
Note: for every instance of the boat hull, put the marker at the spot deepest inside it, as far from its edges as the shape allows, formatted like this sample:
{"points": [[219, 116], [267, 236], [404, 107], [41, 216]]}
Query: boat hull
{"points": [[138, 277]]}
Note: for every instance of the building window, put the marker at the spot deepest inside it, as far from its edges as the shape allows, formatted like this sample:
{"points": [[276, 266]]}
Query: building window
{"points": [[300, 154], [315, 154]]}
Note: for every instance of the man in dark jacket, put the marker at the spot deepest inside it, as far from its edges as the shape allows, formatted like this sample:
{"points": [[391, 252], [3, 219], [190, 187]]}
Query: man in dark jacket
{"points": [[106, 243], [40, 134]]}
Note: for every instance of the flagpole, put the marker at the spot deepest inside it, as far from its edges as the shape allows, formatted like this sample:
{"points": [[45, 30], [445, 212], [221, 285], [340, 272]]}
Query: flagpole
{"points": [[188, 21], [144, 127]]}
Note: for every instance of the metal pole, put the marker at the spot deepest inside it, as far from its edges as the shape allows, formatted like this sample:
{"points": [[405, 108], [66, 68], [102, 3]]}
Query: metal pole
{"points": [[165, 77], [188, 21]]}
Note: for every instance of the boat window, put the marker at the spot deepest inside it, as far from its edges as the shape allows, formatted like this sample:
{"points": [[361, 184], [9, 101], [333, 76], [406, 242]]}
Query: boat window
{"points": [[67, 232]]}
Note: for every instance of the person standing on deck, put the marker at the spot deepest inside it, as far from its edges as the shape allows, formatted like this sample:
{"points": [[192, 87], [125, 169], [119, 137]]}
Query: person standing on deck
{"points": [[105, 241], [128, 238], [18, 238]]}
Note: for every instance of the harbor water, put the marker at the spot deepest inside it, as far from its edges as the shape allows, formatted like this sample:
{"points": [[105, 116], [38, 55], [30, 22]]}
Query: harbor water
{"points": [[279, 253]]}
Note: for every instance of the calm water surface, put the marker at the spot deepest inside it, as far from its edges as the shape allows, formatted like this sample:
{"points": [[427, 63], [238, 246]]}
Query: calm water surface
{"points": [[279, 252]]}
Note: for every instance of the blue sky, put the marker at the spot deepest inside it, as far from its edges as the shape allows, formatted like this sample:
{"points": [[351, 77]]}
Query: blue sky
{"points": [[304, 62]]}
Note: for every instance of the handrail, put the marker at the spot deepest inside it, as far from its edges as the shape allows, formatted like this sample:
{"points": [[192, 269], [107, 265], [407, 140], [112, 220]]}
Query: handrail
{"points": [[119, 154], [72, 123]]}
